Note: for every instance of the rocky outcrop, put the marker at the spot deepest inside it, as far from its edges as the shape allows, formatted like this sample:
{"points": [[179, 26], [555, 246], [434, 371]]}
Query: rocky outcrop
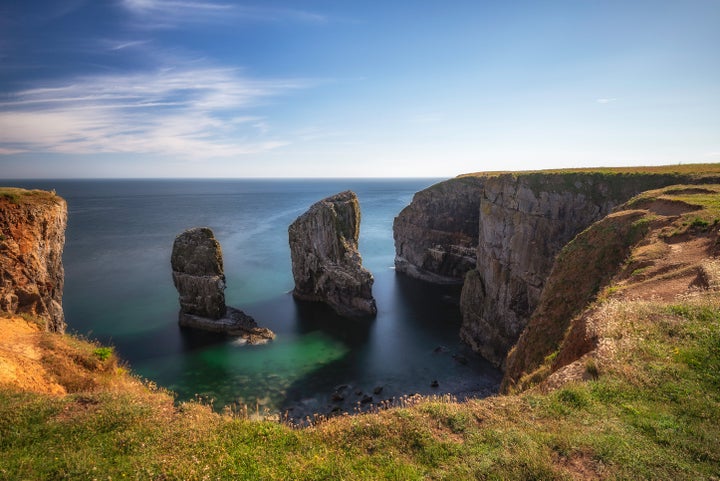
{"points": [[436, 235], [198, 274], [525, 219], [32, 238], [326, 264], [197, 270]]}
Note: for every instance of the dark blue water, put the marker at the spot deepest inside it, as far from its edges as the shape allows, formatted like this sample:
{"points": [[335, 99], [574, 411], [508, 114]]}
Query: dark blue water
{"points": [[119, 290]]}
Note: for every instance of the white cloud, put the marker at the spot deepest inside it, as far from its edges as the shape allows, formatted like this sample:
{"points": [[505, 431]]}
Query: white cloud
{"points": [[605, 100], [194, 113], [173, 13]]}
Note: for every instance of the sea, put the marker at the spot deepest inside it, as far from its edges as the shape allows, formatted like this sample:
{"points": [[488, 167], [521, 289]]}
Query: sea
{"points": [[119, 291]]}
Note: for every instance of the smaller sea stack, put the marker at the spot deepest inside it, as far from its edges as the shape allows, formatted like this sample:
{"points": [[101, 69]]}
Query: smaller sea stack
{"points": [[326, 264], [197, 268]]}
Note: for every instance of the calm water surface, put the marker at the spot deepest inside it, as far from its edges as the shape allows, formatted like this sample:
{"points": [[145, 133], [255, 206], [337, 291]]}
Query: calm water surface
{"points": [[119, 289]]}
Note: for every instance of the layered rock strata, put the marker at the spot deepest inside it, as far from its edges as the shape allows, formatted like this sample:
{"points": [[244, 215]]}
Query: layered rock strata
{"points": [[32, 239], [326, 264], [436, 235], [198, 275], [525, 219]]}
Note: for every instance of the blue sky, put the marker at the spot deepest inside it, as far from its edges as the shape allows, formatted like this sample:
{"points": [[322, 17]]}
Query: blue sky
{"points": [[334, 88]]}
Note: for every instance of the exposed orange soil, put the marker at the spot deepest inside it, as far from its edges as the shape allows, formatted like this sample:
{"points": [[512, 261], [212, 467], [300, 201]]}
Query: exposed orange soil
{"points": [[21, 363]]}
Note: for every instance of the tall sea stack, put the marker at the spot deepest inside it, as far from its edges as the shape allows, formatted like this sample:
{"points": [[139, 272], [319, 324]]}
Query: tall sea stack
{"points": [[198, 274], [326, 264], [197, 266]]}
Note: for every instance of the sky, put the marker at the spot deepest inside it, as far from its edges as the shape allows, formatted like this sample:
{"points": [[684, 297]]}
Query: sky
{"points": [[354, 88]]}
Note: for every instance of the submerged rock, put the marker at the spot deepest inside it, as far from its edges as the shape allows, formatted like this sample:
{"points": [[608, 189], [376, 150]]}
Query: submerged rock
{"points": [[198, 276], [326, 264]]}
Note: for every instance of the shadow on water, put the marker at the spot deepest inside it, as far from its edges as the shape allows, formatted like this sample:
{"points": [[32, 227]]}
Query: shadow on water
{"points": [[394, 355], [316, 316]]}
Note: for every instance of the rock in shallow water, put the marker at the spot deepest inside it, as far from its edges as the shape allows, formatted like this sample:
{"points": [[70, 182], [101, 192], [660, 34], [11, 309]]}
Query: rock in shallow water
{"points": [[326, 264], [198, 275]]}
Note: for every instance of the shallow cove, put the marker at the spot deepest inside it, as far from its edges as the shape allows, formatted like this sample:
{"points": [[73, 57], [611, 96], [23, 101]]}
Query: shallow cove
{"points": [[119, 290]]}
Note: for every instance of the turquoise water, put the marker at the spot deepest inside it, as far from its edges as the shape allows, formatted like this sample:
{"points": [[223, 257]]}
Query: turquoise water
{"points": [[119, 290]]}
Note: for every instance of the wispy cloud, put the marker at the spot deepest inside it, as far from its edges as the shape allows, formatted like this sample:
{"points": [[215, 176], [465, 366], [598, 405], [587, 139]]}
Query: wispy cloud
{"points": [[605, 100], [175, 13], [122, 45], [193, 113]]}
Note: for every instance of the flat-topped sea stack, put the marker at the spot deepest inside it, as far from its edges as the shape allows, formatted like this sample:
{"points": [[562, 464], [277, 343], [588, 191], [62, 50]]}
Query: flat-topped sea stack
{"points": [[32, 239], [198, 275], [326, 264]]}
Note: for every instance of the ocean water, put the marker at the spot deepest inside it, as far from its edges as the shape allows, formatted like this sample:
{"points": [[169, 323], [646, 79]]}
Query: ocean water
{"points": [[119, 290]]}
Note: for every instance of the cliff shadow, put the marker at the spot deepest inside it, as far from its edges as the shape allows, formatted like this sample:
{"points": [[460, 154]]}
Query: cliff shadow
{"points": [[316, 316]]}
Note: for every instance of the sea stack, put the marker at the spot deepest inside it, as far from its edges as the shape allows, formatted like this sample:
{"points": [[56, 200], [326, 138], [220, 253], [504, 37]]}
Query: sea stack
{"points": [[326, 264], [197, 268]]}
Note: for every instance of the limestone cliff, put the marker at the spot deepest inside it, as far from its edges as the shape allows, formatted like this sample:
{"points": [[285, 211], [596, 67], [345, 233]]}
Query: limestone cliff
{"points": [[657, 247], [326, 264], [198, 275], [32, 238], [436, 235], [525, 219]]}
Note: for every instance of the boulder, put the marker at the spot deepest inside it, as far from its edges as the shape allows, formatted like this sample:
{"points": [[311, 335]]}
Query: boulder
{"points": [[326, 264]]}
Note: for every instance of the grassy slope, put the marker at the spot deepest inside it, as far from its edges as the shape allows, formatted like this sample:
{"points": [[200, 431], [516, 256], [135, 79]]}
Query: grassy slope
{"points": [[651, 413]]}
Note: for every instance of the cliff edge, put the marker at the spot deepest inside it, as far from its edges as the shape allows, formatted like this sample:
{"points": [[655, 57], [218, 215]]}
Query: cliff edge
{"points": [[660, 246], [32, 238], [524, 221]]}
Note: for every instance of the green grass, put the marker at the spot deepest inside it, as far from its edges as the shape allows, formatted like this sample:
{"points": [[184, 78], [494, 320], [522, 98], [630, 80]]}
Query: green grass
{"points": [[653, 415], [17, 196], [103, 352]]}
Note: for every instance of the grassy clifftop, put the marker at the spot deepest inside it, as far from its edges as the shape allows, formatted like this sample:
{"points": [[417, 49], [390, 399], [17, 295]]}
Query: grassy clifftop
{"points": [[626, 387], [695, 171]]}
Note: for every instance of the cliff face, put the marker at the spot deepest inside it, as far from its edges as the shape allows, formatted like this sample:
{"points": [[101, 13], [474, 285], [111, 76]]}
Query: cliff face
{"points": [[32, 238], [660, 247], [525, 220], [436, 235], [326, 264]]}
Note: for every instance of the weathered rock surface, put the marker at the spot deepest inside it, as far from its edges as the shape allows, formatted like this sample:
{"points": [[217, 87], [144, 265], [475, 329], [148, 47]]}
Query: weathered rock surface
{"points": [[647, 250], [32, 239], [198, 273], [525, 219], [199, 277], [436, 235], [326, 264]]}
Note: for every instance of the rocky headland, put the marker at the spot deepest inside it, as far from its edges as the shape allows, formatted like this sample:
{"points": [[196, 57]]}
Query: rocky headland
{"points": [[436, 235], [32, 238], [524, 220], [198, 275], [326, 264]]}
